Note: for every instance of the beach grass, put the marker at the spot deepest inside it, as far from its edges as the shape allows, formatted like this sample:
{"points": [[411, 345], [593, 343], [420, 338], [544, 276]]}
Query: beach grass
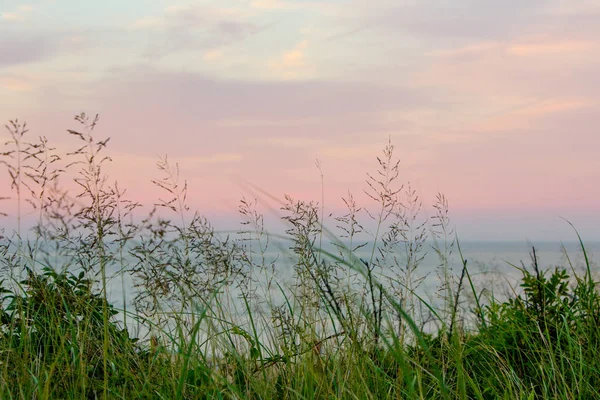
{"points": [[207, 314]]}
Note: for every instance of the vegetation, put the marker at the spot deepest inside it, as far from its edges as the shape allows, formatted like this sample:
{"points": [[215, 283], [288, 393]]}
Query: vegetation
{"points": [[218, 316]]}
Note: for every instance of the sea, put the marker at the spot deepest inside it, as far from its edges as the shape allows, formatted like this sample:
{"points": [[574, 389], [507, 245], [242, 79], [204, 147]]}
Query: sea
{"points": [[495, 267]]}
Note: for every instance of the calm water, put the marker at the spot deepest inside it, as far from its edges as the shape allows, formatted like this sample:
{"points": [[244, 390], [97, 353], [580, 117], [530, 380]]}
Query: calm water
{"points": [[491, 264]]}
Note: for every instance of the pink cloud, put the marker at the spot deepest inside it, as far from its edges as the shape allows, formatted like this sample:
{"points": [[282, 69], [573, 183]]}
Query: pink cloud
{"points": [[551, 47]]}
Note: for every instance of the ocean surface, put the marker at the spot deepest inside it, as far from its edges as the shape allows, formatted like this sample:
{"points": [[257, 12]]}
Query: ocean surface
{"points": [[493, 266]]}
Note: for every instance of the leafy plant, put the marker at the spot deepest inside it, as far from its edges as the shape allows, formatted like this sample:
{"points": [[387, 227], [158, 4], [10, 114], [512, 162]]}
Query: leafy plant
{"points": [[57, 320]]}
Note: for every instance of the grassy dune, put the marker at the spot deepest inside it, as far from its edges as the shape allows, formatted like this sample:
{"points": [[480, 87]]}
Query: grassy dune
{"points": [[211, 315]]}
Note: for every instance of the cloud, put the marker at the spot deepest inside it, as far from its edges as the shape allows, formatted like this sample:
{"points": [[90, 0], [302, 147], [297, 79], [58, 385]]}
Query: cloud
{"points": [[182, 113], [468, 50], [18, 15], [555, 106], [147, 22], [16, 83], [323, 7], [566, 8], [553, 64], [10, 16], [552, 47], [89, 48], [217, 158], [292, 63], [295, 57], [184, 162], [269, 4], [289, 141], [349, 152], [189, 162], [136, 170], [21, 49], [448, 20], [277, 122], [218, 100], [212, 55], [196, 26]]}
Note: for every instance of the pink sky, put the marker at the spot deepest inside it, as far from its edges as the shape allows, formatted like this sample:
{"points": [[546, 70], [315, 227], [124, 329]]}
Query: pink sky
{"points": [[496, 104]]}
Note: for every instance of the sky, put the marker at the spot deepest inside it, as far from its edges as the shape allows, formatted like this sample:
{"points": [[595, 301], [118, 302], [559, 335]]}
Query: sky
{"points": [[496, 104]]}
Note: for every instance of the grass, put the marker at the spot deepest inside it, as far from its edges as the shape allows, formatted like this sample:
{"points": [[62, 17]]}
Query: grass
{"points": [[213, 316]]}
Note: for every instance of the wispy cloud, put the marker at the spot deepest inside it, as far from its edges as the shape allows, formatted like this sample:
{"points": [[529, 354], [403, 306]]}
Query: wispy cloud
{"points": [[322, 7], [289, 141], [20, 49], [19, 14], [458, 20], [148, 22], [16, 83], [183, 162], [292, 64], [10, 16], [212, 55], [217, 158], [196, 26], [269, 4], [551, 47]]}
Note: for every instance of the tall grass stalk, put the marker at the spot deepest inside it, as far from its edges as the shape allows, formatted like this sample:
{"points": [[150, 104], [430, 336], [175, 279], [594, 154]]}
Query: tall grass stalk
{"points": [[99, 214]]}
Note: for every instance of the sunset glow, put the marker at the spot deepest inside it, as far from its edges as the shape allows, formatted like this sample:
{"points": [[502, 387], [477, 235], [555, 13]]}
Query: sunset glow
{"points": [[496, 104]]}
